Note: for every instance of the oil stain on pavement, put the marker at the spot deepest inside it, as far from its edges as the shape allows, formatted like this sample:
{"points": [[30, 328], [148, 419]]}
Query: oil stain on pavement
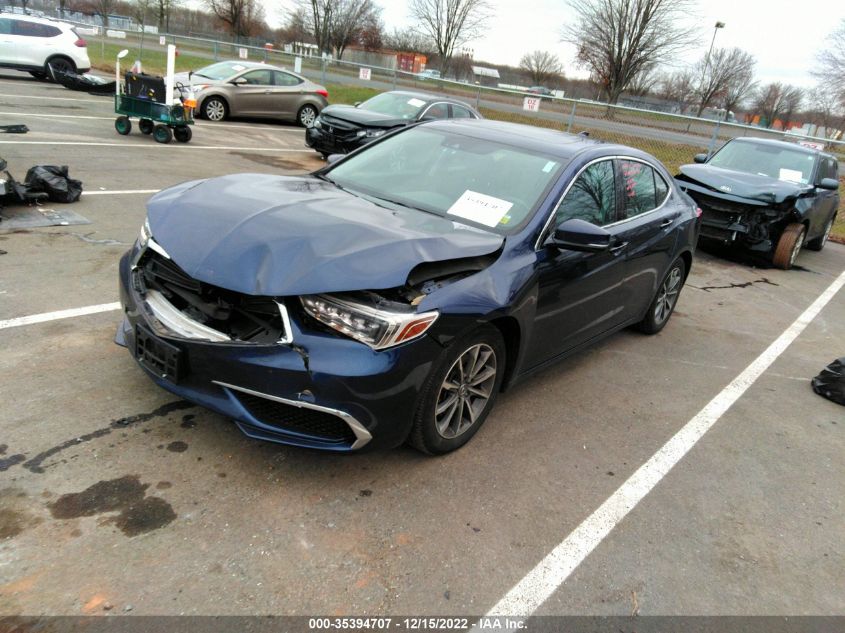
{"points": [[126, 495]]}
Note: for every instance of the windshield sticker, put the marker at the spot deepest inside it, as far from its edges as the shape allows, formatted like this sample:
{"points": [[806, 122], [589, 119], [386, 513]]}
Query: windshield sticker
{"points": [[791, 175], [417, 103], [238, 67], [480, 208], [549, 166]]}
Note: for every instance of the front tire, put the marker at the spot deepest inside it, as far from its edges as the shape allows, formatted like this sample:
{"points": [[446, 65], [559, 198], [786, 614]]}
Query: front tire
{"points": [[460, 392], [123, 125], [789, 245], [307, 115], [818, 243], [664, 302], [215, 109], [61, 64]]}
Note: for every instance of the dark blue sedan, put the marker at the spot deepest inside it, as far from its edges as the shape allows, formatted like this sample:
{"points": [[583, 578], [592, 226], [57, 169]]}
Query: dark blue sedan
{"points": [[392, 295]]}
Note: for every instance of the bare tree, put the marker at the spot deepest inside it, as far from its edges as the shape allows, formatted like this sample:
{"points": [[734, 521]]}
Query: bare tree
{"points": [[321, 13], [450, 23], [164, 9], [677, 87], [296, 29], [778, 101], [348, 18], [371, 35], [793, 97], [827, 108], [718, 70], [541, 66], [832, 60], [617, 39], [643, 82], [241, 16], [410, 40], [103, 8], [739, 90]]}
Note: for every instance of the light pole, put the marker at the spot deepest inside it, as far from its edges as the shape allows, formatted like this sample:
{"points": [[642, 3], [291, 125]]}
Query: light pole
{"points": [[719, 25]]}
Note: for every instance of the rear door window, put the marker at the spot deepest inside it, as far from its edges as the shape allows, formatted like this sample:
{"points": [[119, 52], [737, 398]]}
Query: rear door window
{"points": [[643, 189], [286, 79], [33, 29]]}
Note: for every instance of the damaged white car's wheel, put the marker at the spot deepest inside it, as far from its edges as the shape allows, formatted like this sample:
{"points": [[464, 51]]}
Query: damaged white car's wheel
{"points": [[459, 392]]}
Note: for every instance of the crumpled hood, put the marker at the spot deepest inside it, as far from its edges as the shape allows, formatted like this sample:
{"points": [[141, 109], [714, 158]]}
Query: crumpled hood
{"points": [[364, 118], [742, 185], [279, 236]]}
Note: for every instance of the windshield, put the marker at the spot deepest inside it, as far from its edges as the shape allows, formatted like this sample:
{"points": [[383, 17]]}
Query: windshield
{"points": [[470, 180], [401, 106], [783, 163], [220, 70]]}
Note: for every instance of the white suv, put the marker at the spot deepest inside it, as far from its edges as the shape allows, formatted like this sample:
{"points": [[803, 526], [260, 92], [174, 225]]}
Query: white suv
{"points": [[28, 43]]}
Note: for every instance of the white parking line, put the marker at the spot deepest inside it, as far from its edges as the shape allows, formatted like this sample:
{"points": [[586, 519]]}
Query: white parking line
{"points": [[550, 573], [60, 314], [209, 125], [159, 146], [119, 193], [104, 100]]}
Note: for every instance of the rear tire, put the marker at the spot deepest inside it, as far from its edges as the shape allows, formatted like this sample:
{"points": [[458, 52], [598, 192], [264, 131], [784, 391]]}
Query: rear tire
{"points": [[460, 392], [123, 125], [62, 64], [818, 243], [182, 133], [146, 126], [665, 300], [162, 134], [789, 245]]}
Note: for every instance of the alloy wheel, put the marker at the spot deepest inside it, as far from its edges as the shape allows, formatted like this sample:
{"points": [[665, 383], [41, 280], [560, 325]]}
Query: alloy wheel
{"points": [[668, 295], [215, 110], [465, 391], [307, 115]]}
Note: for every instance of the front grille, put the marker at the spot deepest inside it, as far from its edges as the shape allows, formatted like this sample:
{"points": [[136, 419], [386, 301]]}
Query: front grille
{"points": [[318, 424], [244, 318]]}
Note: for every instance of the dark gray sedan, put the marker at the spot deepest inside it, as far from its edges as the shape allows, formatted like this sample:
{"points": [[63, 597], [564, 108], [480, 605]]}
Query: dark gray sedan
{"points": [[343, 128], [249, 89]]}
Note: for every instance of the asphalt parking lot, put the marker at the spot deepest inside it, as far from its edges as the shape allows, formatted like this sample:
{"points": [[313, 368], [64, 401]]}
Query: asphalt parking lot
{"points": [[181, 514]]}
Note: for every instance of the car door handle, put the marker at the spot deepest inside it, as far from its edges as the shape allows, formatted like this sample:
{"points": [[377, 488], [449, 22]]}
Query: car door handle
{"points": [[666, 222], [618, 247]]}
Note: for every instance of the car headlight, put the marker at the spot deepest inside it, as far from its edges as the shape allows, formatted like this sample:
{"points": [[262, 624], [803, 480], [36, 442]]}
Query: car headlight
{"points": [[317, 123], [375, 327], [146, 234], [370, 133]]}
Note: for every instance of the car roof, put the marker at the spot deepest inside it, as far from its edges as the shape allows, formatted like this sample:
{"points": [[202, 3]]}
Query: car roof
{"points": [[252, 65], [783, 144], [546, 140], [34, 18]]}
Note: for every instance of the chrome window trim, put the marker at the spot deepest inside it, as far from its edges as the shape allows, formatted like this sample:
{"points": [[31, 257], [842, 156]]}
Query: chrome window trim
{"points": [[431, 105], [362, 435], [669, 192]]}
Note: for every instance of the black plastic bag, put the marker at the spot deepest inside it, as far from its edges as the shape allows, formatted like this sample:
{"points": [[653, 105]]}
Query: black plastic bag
{"points": [[55, 182], [831, 382]]}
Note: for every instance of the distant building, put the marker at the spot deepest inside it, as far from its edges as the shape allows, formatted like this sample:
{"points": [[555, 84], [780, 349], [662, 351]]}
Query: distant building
{"points": [[485, 76]]}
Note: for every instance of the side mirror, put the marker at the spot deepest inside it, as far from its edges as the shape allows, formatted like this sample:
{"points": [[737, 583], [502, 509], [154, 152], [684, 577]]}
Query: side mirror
{"points": [[357, 103], [700, 158], [238, 81], [831, 184], [331, 159], [579, 235]]}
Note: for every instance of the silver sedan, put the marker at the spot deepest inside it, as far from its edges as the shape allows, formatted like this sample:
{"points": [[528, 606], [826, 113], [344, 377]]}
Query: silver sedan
{"points": [[248, 89]]}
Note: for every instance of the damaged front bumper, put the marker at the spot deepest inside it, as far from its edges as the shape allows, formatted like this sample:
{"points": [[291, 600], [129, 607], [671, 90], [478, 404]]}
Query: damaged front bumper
{"points": [[309, 388]]}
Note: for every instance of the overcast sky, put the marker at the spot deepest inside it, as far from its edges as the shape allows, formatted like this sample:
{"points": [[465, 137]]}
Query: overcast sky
{"points": [[783, 35]]}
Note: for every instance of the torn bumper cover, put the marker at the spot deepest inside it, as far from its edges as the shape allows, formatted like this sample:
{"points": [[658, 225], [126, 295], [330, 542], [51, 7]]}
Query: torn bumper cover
{"points": [[302, 386]]}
